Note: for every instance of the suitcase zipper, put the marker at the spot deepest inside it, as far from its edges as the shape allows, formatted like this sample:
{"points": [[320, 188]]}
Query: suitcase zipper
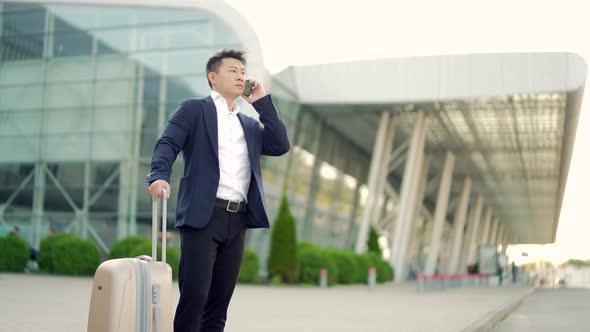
{"points": [[143, 314], [138, 294]]}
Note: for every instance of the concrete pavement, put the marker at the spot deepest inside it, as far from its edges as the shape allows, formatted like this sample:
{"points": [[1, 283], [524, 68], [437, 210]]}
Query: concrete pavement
{"points": [[546, 310], [52, 304]]}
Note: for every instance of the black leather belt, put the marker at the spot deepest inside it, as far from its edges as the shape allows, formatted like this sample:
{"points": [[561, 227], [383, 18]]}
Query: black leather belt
{"points": [[231, 206]]}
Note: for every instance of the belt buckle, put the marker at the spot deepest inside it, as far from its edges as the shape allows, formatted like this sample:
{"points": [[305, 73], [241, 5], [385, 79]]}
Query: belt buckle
{"points": [[229, 204]]}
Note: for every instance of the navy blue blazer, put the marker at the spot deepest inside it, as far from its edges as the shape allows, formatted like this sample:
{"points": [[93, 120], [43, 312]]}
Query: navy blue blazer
{"points": [[193, 130]]}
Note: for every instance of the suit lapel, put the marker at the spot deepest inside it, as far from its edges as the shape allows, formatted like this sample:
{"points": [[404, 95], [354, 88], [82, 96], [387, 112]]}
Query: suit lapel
{"points": [[249, 135], [211, 124]]}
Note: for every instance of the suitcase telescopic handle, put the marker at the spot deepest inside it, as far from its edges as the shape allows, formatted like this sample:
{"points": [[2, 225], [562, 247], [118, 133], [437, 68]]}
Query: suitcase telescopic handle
{"points": [[155, 227]]}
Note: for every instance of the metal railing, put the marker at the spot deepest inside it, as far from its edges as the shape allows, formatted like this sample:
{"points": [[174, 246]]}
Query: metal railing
{"points": [[436, 282]]}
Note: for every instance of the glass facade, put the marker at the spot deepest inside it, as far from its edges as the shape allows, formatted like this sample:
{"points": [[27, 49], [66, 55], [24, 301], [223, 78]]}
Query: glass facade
{"points": [[85, 90]]}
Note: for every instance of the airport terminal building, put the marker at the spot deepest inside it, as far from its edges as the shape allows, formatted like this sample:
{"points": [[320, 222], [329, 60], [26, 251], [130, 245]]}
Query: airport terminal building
{"points": [[440, 154]]}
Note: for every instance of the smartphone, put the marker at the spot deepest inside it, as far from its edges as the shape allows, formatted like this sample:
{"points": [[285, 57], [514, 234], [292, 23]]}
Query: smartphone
{"points": [[248, 86]]}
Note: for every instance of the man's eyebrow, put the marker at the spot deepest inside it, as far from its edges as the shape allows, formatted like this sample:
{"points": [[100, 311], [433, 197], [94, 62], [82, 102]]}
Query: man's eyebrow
{"points": [[244, 69]]}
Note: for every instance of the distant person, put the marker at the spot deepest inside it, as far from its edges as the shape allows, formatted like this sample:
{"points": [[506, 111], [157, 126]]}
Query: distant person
{"points": [[514, 272], [220, 194], [15, 231]]}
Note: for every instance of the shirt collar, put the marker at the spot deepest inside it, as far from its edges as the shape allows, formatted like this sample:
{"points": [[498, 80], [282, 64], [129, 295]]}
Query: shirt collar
{"points": [[219, 98]]}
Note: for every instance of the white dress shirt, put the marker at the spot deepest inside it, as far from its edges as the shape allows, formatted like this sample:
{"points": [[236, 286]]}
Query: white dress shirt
{"points": [[234, 164]]}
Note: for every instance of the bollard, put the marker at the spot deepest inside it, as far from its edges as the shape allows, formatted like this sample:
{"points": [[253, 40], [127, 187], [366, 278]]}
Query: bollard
{"points": [[372, 277], [420, 282], [323, 278]]}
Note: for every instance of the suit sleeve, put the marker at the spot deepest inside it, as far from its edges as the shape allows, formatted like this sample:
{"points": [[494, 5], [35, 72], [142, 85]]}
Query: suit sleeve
{"points": [[170, 143], [275, 141]]}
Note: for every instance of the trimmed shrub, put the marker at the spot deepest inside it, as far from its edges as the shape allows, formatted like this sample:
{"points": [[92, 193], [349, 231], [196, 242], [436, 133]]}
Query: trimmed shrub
{"points": [[45, 256], [250, 267], [14, 254], [124, 247], [172, 256], [348, 268], [283, 259], [74, 256], [383, 269], [373, 241], [362, 262], [304, 245], [313, 260]]}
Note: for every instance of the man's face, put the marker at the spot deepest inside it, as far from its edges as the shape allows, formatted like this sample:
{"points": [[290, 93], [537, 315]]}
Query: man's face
{"points": [[229, 78]]}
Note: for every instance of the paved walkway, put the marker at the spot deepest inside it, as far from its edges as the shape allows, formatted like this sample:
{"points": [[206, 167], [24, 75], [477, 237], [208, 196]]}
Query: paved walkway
{"points": [[60, 304], [561, 309]]}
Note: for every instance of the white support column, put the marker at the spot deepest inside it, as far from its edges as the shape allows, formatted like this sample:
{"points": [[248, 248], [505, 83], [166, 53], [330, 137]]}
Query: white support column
{"points": [[306, 228], [408, 194], [416, 219], [458, 226], [397, 156], [136, 150], [475, 221], [85, 201], [123, 205], [469, 225], [494, 232], [504, 242], [483, 240], [38, 203], [440, 212], [373, 177], [500, 238], [384, 170], [488, 239]]}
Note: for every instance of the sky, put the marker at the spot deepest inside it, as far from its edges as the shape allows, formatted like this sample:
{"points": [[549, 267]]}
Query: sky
{"points": [[304, 32]]}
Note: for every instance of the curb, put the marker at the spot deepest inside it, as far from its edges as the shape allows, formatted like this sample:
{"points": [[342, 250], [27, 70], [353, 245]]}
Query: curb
{"points": [[489, 321]]}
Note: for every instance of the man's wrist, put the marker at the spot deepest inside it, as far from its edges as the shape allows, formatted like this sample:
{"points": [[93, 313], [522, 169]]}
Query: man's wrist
{"points": [[262, 102]]}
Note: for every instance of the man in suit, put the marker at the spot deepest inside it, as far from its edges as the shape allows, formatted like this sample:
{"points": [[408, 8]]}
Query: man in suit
{"points": [[220, 194]]}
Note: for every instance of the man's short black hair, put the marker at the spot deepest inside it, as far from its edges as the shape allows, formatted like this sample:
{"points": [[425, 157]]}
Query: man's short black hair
{"points": [[215, 61]]}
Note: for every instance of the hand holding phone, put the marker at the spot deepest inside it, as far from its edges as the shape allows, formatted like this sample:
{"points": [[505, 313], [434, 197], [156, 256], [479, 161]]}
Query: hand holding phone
{"points": [[248, 86], [253, 90]]}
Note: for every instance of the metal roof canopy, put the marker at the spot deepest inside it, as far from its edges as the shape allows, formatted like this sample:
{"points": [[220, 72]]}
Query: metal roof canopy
{"points": [[510, 119]]}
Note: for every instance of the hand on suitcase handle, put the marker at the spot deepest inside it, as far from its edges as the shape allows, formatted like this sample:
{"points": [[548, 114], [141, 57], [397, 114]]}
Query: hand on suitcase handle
{"points": [[155, 189]]}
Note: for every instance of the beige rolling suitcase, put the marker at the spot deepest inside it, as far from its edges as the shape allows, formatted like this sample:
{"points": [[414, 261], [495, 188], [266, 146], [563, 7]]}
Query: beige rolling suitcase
{"points": [[134, 294]]}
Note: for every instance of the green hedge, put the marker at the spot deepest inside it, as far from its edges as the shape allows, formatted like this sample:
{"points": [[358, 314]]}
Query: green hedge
{"points": [[348, 267], [383, 269], [303, 245], [76, 257], [172, 256], [385, 272], [362, 262], [124, 247], [46, 249], [313, 260], [250, 267], [14, 253], [344, 266], [71, 255]]}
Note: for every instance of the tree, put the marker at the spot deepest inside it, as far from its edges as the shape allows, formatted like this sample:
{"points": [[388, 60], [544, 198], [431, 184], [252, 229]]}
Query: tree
{"points": [[283, 260], [577, 262], [373, 241]]}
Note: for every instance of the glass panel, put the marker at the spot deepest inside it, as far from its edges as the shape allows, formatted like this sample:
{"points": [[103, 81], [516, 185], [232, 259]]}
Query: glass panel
{"points": [[69, 41]]}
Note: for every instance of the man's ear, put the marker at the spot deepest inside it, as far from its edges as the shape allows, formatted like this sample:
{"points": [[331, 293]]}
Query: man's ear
{"points": [[212, 77]]}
